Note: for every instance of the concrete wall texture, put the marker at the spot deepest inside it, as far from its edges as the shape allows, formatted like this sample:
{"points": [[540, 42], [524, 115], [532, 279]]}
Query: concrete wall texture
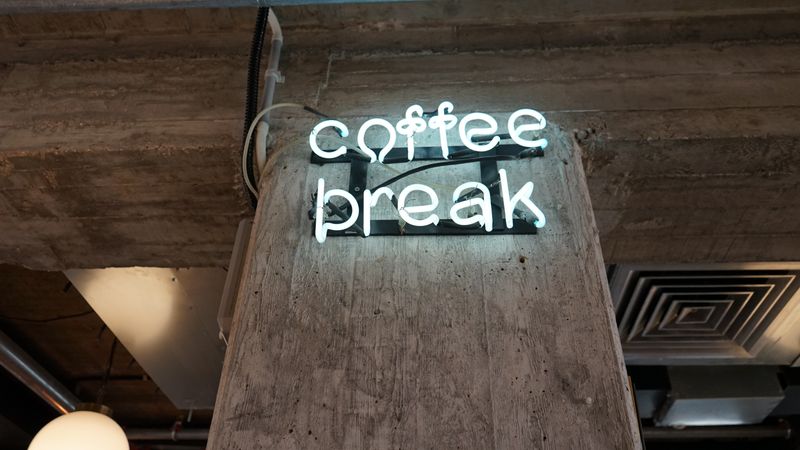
{"points": [[120, 131]]}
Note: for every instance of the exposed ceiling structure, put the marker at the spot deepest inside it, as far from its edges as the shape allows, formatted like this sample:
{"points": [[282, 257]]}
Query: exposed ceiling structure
{"points": [[51, 321], [44, 6], [46, 315]]}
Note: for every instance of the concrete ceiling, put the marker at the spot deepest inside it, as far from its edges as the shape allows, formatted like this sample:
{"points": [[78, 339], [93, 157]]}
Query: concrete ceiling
{"points": [[119, 131], [49, 6]]}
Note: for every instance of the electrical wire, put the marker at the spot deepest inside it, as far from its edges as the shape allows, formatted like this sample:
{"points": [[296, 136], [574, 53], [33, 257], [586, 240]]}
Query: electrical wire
{"points": [[387, 167], [247, 162], [48, 320], [443, 164], [247, 156], [350, 145], [102, 392], [251, 94]]}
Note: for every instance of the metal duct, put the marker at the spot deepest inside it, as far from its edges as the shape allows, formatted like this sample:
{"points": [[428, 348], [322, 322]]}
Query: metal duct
{"points": [[719, 395], [42, 6], [167, 320], [35, 377]]}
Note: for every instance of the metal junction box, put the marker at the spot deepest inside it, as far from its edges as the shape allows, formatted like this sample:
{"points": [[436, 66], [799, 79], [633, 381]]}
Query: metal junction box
{"points": [[720, 395]]}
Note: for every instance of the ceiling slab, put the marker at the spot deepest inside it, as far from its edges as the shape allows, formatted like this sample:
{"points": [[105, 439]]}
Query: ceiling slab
{"points": [[120, 130], [36, 6]]}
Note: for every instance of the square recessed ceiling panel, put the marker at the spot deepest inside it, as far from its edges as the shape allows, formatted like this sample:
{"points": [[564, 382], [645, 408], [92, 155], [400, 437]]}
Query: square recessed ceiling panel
{"points": [[707, 314]]}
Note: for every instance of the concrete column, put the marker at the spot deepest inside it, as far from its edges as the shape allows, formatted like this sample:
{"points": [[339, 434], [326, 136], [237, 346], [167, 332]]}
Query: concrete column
{"points": [[469, 342]]}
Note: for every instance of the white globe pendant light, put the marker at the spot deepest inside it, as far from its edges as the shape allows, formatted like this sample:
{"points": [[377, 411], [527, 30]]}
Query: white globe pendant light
{"points": [[81, 430]]}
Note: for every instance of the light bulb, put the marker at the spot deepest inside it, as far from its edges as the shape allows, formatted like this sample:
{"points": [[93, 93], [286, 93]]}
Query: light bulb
{"points": [[81, 430]]}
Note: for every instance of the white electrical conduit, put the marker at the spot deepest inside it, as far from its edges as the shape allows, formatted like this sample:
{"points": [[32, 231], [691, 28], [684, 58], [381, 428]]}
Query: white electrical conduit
{"points": [[257, 121], [271, 77]]}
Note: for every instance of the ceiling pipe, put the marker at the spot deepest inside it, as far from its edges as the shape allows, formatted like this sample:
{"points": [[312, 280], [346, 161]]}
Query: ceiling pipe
{"points": [[43, 6], [158, 434], [177, 446], [35, 377], [778, 431]]}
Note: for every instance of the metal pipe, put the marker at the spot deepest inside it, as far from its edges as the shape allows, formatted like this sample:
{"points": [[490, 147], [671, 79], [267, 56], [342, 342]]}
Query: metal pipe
{"points": [[41, 6], [35, 377], [778, 431], [177, 446], [158, 434]]}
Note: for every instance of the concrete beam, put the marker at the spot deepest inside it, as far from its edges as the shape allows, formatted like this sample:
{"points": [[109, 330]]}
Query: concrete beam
{"points": [[121, 163], [44, 6], [440, 26], [132, 157]]}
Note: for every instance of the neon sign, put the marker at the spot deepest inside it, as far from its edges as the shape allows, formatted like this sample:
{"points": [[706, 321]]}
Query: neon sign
{"points": [[489, 203]]}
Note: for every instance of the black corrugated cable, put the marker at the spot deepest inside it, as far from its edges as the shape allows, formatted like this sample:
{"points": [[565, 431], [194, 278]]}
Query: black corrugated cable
{"points": [[251, 101], [103, 387]]}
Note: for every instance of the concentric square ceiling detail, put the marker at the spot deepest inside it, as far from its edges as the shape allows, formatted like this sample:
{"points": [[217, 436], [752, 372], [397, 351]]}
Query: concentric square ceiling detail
{"points": [[699, 314]]}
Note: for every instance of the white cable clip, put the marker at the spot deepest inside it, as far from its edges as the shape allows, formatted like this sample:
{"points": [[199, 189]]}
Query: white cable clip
{"points": [[279, 78]]}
